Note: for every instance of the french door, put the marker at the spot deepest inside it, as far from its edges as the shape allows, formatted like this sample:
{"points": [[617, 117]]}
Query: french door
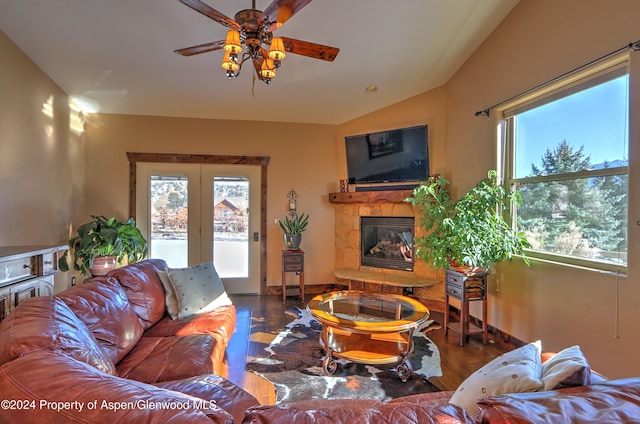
{"points": [[193, 213]]}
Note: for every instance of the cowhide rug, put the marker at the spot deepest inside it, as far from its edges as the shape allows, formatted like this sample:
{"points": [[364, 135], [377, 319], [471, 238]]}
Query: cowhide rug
{"points": [[293, 363]]}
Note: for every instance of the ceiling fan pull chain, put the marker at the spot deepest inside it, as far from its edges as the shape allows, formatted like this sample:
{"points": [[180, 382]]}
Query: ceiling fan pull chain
{"points": [[253, 85]]}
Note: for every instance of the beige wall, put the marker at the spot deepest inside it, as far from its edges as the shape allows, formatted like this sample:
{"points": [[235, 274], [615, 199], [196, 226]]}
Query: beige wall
{"points": [[302, 158], [41, 160], [539, 40], [562, 306]]}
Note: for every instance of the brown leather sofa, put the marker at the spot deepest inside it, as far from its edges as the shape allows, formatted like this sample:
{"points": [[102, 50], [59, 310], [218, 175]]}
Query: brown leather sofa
{"points": [[614, 401], [106, 351]]}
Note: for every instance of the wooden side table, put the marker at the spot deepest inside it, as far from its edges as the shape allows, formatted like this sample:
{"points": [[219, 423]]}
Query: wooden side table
{"points": [[466, 288], [292, 261]]}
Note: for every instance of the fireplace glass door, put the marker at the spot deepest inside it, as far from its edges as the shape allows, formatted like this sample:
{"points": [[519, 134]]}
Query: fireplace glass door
{"points": [[387, 242]]}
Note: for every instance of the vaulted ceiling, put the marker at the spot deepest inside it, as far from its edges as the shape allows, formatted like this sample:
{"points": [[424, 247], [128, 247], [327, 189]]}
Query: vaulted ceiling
{"points": [[117, 56]]}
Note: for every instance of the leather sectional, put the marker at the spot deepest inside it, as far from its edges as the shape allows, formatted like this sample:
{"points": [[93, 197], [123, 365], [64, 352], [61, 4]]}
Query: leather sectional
{"points": [[106, 351]]}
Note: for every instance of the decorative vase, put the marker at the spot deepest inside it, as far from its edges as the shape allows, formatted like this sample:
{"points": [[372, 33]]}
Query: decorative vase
{"points": [[292, 241], [101, 265]]}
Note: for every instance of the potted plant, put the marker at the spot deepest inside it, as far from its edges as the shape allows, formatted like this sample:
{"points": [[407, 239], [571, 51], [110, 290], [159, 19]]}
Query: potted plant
{"points": [[470, 233], [102, 243], [293, 228]]}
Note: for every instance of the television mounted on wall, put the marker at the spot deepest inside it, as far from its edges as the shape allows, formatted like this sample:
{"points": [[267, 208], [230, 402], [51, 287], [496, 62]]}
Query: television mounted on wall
{"points": [[392, 156]]}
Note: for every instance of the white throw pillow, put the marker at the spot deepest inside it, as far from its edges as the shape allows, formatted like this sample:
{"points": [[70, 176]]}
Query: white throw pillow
{"points": [[170, 299], [568, 368], [198, 289], [517, 371]]}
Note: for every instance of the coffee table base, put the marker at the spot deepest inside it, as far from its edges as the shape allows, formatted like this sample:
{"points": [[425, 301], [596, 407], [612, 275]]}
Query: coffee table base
{"points": [[367, 348]]}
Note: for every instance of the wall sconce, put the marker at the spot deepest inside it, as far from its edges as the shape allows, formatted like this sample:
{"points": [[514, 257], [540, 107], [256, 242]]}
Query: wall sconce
{"points": [[292, 196]]}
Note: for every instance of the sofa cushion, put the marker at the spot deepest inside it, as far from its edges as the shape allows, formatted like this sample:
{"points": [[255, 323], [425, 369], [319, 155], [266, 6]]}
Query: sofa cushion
{"points": [[220, 323], [352, 411], [613, 401], [198, 289], [156, 359], [567, 368], [103, 306], [224, 393], [47, 376], [41, 323], [144, 289], [430, 398], [513, 372]]}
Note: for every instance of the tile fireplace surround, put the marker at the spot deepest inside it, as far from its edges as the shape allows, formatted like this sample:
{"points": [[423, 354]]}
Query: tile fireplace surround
{"points": [[425, 283]]}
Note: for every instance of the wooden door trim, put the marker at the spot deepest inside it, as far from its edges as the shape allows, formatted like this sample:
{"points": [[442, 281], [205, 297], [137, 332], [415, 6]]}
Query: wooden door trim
{"points": [[262, 161]]}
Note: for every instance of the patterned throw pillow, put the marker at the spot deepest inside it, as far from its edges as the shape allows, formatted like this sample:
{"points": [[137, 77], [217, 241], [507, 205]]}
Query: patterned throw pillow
{"points": [[517, 371], [198, 289]]}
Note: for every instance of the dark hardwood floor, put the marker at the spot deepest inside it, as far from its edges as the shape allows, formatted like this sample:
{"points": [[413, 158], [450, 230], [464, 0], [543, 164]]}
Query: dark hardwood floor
{"points": [[261, 318]]}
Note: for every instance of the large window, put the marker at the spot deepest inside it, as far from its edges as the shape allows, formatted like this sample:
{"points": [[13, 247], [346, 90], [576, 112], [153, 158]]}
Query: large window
{"points": [[566, 152]]}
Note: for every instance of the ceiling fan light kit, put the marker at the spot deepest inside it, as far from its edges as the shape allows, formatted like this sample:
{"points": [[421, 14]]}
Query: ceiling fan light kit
{"points": [[249, 31]]}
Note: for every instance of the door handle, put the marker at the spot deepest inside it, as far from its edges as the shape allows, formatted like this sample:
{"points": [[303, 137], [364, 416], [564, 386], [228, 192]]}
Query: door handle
{"points": [[256, 236]]}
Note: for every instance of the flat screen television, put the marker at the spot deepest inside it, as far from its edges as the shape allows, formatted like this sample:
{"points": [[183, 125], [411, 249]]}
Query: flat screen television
{"points": [[400, 155]]}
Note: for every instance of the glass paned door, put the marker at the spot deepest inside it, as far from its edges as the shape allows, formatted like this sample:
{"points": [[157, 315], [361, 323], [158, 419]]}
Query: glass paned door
{"points": [[231, 217], [231, 226], [194, 213], [169, 230]]}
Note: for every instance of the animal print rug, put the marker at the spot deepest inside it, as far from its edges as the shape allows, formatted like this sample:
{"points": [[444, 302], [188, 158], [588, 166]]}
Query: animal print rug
{"points": [[293, 363]]}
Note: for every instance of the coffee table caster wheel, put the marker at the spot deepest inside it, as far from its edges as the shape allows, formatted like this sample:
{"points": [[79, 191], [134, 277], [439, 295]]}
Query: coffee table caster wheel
{"points": [[329, 365], [404, 370]]}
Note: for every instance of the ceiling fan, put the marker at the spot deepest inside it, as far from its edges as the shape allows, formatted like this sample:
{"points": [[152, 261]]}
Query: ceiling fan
{"points": [[252, 29]]}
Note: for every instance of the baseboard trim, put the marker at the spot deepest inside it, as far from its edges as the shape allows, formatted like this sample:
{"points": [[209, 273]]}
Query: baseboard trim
{"points": [[496, 334]]}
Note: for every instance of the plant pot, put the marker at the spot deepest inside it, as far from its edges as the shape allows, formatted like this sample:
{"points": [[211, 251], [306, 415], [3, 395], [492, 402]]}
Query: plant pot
{"points": [[292, 241], [101, 265]]}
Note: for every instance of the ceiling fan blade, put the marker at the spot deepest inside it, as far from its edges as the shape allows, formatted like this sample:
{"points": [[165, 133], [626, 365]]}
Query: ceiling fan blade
{"points": [[201, 48], [280, 11], [210, 12], [305, 48]]}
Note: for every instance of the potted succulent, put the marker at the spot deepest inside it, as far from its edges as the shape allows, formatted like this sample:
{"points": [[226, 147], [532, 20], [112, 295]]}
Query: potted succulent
{"points": [[102, 243], [471, 233], [293, 228]]}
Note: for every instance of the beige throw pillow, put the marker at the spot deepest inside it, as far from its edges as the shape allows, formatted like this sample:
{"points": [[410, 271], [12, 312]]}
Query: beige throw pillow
{"points": [[198, 289], [568, 368], [516, 371], [170, 299]]}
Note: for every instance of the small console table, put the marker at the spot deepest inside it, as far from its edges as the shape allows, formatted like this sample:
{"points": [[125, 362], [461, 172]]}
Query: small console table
{"points": [[466, 288], [292, 261], [26, 271]]}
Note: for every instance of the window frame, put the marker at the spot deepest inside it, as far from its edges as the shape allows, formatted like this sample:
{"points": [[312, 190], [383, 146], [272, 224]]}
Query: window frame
{"points": [[576, 82]]}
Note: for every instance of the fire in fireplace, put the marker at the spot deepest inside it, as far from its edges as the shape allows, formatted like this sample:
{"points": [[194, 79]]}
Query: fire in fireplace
{"points": [[387, 242]]}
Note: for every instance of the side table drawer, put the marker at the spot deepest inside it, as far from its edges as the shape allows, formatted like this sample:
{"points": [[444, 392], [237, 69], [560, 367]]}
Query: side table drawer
{"points": [[293, 267], [293, 259], [49, 262], [454, 290], [456, 279]]}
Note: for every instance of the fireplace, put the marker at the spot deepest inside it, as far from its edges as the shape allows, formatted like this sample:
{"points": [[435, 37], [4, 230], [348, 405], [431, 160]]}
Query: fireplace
{"points": [[387, 242]]}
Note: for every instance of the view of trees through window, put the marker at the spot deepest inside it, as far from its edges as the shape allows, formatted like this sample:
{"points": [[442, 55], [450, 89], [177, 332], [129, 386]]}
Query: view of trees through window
{"points": [[582, 217], [570, 166]]}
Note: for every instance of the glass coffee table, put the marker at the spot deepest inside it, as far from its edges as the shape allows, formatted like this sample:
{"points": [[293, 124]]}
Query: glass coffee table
{"points": [[367, 328]]}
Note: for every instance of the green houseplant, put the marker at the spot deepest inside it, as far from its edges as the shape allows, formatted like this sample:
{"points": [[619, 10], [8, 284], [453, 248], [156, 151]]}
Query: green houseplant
{"points": [[470, 233], [104, 238], [293, 228]]}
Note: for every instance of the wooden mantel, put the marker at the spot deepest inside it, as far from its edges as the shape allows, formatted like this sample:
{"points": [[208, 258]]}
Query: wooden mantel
{"points": [[386, 196]]}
